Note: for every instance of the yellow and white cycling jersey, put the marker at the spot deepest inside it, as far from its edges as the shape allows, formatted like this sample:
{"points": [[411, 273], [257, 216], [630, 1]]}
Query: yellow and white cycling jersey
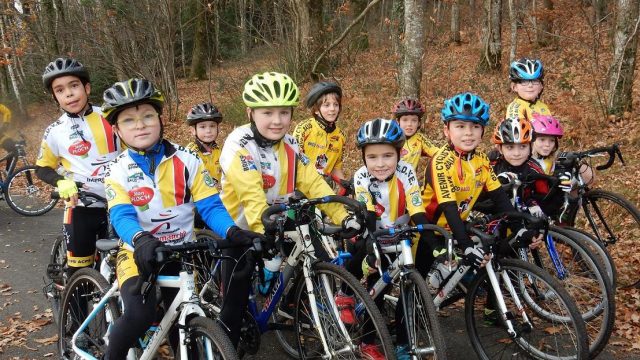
{"points": [[83, 145], [415, 147], [254, 177], [324, 149]]}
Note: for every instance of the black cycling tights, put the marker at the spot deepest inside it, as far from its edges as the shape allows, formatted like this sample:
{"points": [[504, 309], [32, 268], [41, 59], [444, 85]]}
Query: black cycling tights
{"points": [[81, 228], [137, 318]]}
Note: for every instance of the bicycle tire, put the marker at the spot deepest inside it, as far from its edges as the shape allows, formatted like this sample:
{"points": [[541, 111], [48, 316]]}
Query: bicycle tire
{"points": [[204, 266], [58, 257], [287, 338], [368, 316], [626, 228], [492, 341], [415, 287], [596, 248], [204, 328], [588, 284], [27, 195], [83, 291]]}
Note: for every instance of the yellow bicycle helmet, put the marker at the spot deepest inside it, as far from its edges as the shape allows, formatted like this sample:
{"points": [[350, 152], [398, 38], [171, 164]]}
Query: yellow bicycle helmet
{"points": [[270, 89]]}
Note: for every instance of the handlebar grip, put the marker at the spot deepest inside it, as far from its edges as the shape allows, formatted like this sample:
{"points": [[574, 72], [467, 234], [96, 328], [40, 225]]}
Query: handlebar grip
{"points": [[487, 240], [270, 224], [538, 223]]}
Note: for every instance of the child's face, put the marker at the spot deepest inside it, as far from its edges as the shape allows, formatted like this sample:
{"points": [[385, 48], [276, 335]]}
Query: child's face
{"points": [[272, 122], [527, 89], [70, 93], [409, 124], [515, 154], [381, 160], [139, 126], [544, 145], [464, 135], [330, 107], [205, 131]]}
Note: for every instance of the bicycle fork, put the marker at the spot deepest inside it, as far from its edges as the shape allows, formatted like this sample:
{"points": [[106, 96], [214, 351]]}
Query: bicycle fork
{"points": [[507, 316]]}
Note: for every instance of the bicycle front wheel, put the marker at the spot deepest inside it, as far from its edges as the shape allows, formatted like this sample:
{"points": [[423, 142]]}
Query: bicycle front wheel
{"points": [[616, 222], [207, 340], [350, 328], [534, 336], [27, 194], [56, 273], [425, 339], [81, 295]]}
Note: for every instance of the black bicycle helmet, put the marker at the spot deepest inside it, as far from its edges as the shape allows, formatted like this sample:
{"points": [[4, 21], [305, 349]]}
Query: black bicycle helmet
{"points": [[319, 89], [380, 131], [125, 94], [203, 112], [63, 67]]}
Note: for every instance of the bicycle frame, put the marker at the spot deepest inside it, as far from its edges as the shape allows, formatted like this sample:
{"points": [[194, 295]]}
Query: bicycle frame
{"points": [[185, 303], [15, 156]]}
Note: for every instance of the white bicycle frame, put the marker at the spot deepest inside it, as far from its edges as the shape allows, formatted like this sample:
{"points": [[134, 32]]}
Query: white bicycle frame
{"points": [[185, 303]]}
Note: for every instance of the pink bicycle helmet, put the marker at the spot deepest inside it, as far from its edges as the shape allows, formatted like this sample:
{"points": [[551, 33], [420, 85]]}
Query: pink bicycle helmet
{"points": [[546, 125]]}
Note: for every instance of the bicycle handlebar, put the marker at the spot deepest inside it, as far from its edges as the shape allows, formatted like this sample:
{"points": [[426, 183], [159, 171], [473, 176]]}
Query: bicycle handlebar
{"points": [[294, 203], [568, 159], [405, 229]]}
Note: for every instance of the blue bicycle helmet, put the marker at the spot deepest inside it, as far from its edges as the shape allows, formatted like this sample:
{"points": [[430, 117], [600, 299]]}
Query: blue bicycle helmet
{"points": [[526, 69], [381, 131], [466, 107]]}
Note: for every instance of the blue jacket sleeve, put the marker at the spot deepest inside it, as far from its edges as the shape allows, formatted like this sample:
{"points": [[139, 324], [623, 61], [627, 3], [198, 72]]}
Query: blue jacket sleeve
{"points": [[215, 215], [125, 222]]}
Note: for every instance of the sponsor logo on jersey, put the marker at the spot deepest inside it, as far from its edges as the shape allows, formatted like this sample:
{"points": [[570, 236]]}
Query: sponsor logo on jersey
{"points": [[141, 197], [80, 148], [135, 177], [268, 181], [247, 163], [111, 194], [416, 200]]}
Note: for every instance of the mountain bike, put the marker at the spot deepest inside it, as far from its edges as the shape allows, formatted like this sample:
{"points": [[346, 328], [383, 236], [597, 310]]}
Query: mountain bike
{"points": [[24, 192], [425, 339], [312, 327], [508, 304], [608, 216], [90, 306]]}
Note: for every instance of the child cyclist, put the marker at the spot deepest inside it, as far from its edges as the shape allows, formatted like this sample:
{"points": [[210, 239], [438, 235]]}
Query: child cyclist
{"points": [[458, 174], [527, 81], [83, 142], [204, 120], [319, 137], [408, 112], [389, 188], [152, 190], [548, 133], [262, 165], [513, 140]]}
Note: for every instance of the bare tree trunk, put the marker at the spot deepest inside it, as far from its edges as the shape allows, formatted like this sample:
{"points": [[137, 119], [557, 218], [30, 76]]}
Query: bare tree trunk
{"points": [[599, 10], [302, 34], [244, 26], [491, 35], [534, 20], [625, 44], [455, 22], [410, 74], [544, 35], [198, 58], [361, 40], [216, 28], [513, 19], [49, 18], [9, 64]]}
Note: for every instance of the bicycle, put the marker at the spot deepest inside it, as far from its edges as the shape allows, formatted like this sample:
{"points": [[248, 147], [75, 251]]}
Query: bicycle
{"points": [[315, 326], [24, 192], [56, 269], [507, 307], [425, 338], [606, 215], [86, 336]]}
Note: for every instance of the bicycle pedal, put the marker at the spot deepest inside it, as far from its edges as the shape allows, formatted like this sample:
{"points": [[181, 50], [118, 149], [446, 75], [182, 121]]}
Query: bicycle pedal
{"points": [[55, 272]]}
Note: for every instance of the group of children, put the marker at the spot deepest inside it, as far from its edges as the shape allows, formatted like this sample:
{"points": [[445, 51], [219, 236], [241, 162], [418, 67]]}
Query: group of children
{"points": [[153, 186]]}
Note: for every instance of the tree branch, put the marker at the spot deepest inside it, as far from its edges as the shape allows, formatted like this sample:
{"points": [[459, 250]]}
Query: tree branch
{"points": [[337, 41]]}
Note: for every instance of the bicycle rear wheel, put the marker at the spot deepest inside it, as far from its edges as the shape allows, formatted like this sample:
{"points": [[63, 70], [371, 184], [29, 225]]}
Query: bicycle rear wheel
{"points": [[425, 337], [542, 337], [27, 194], [206, 340], [616, 222], [587, 283], [82, 293], [365, 332]]}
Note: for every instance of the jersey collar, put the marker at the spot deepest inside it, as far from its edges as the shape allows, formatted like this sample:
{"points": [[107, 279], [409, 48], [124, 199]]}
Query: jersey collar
{"points": [[328, 127]]}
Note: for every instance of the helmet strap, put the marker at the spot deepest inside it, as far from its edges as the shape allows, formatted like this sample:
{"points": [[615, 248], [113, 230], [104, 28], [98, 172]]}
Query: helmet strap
{"points": [[324, 124]]}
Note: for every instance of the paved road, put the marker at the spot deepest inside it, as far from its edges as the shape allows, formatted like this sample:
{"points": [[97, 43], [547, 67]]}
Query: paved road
{"points": [[24, 253]]}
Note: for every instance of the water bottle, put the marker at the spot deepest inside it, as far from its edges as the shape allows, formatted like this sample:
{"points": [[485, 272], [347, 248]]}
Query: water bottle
{"points": [[271, 270], [438, 275]]}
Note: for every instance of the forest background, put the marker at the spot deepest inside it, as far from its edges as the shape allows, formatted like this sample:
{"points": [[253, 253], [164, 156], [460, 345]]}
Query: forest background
{"points": [[378, 51]]}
